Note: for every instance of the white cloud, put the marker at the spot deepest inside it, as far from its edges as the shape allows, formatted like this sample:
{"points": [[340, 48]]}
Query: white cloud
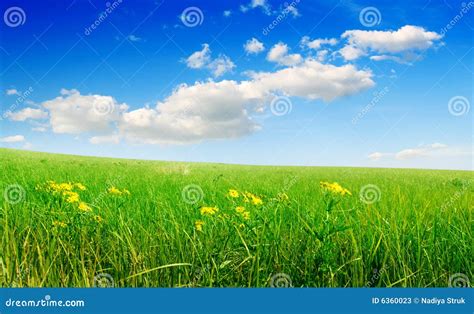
{"points": [[377, 156], [202, 59], [134, 38], [199, 59], [279, 54], [422, 151], [104, 139], [388, 57], [39, 129], [12, 139], [221, 65], [11, 92], [203, 110], [27, 113], [350, 52], [74, 113], [263, 4], [317, 43], [254, 46], [227, 13], [408, 38]]}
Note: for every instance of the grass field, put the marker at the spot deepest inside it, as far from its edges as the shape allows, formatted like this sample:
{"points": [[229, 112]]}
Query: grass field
{"points": [[132, 223]]}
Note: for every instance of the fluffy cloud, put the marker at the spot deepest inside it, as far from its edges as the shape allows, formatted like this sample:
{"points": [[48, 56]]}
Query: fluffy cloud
{"points": [[203, 110], [253, 46], [262, 4], [104, 139], [12, 139], [74, 113], [27, 113], [422, 151], [317, 43], [279, 54], [202, 59], [11, 92], [408, 38], [192, 113], [212, 110]]}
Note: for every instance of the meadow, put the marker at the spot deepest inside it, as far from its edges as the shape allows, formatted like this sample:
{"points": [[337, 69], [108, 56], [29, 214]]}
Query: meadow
{"points": [[72, 221]]}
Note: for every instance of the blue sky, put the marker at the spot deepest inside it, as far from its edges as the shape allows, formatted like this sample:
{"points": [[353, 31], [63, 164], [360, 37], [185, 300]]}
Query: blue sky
{"points": [[330, 83]]}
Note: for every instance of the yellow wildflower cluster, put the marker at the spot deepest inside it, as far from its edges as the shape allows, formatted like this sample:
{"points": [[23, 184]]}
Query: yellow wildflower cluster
{"points": [[198, 225], [69, 192], [247, 197], [209, 210], [243, 212], [59, 224], [334, 188], [115, 191]]}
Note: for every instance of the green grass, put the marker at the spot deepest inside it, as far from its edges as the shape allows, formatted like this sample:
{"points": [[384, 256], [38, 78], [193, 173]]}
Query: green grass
{"points": [[417, 234]]}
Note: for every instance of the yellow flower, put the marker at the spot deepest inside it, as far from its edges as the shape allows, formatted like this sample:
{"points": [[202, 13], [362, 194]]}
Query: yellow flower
{"points": [[233, 193], [64, 187], [61, 224], [80, 186], [114, 190], [198, 225], [240, 209], [282, 197], [84, 207], [71, 197], [241, 226], [209, 210], [334, 188], [257, 201], [98, 219]]}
